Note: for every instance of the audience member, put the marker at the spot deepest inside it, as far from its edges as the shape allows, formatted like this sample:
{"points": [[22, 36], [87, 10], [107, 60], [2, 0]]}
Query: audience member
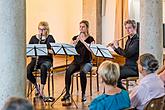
{"points": [[16, 103], [150, 86], [113, 97]]}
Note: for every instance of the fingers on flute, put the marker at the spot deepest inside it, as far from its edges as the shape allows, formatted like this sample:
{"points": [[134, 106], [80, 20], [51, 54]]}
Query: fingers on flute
{"points": [[111, 44]]}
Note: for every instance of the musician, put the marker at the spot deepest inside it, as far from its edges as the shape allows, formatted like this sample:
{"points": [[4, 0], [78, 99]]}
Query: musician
{"points": [[81, 62], [130, 52], [42, 62]]}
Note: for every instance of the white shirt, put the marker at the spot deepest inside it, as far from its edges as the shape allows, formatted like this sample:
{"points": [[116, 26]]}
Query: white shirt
{"points": [[151, 86]]}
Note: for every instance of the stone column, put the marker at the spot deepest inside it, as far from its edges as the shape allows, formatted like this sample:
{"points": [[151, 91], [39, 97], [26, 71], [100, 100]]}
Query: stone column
{"points": [[12, 49], [151, 37]]}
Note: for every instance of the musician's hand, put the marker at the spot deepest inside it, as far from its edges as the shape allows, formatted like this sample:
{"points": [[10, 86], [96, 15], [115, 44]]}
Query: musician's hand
{"points": [[34, 56], [116, 44], [81, 38], [50, 51], [111, 45]]}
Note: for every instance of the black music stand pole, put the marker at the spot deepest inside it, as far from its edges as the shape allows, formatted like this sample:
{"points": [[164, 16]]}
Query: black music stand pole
{"points": [[67, 50], [36, 50], [100, 51]]}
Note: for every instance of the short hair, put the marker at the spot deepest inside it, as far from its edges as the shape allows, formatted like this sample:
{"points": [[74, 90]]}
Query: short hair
{"points": [[17, 103], [45, 24], [149, 62], [109, 72], [132, 22]]}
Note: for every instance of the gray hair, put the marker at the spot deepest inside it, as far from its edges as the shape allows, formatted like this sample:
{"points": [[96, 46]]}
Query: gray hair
{"points": [[149, 63]]}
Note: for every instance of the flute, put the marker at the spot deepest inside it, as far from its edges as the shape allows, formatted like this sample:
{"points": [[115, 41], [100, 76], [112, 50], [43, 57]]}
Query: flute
{"points": [[123, 38], [118, 40]]}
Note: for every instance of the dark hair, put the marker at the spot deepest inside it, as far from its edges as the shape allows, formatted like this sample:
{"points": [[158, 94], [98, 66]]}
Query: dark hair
{"points": [[132, 22], [87, 25], [85, 22], [149, 62], [16, 103]]}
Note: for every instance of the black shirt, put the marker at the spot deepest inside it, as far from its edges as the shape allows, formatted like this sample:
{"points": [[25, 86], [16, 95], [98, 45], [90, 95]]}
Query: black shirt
{"points": [[85, 55], [49, 39], [131, 51]]}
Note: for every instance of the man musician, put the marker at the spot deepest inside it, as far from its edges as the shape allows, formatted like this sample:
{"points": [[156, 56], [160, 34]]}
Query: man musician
{"points": [[130, 52]]}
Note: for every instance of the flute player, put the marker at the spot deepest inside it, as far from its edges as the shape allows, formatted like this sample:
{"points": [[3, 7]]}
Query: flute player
{"points": [[130, 52]]}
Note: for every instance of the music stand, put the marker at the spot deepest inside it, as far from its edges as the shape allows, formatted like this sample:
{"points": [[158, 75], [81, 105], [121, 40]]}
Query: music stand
{"points": [[100, 51], [36, 50], [67, 50]]}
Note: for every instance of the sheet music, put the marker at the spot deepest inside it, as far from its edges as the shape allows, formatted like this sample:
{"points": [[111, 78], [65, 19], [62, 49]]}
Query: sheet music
{"points": [[41, 50], [63, 49], [100, 50]]}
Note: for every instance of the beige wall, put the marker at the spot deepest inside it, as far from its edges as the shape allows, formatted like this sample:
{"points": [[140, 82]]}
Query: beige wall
{"points": [[108, 21], [63, 17], [89, 13]]}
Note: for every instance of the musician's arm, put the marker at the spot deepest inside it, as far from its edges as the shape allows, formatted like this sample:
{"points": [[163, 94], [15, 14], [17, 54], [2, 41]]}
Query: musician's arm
{"points": [[132, 50], [74, 40], [87, 45], [31, 41]]}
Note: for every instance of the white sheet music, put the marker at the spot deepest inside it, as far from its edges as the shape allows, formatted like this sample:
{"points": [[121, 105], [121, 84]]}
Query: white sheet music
{"points": [[100, 50], [41, 50], [63, 49]]}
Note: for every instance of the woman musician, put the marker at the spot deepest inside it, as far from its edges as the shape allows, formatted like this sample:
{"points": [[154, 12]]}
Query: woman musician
{"points": [[42, 62], [81, 62], [130, 52]]}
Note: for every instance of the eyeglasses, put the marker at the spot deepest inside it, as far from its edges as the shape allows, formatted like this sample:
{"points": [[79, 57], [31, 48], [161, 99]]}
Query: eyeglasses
{"points": [[42, 29]]}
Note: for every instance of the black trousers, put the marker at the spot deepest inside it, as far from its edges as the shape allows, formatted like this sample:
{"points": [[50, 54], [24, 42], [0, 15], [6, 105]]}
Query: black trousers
{"points": [[84, 68], [43, 65], [125, 72]]}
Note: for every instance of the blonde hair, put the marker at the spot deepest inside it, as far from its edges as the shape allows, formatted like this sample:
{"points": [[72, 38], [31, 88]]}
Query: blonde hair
{"points": [[45, 24], [109, 72]]}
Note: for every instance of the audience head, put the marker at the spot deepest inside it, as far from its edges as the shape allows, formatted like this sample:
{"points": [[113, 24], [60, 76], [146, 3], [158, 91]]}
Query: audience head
{"points": [[84, 26], [109, 72], [148, 64], [15, 103], [130, 26], [43, 28]]}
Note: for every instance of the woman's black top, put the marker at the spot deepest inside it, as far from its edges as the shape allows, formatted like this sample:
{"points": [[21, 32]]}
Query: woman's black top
{"points": [[85, 55], [48, 40]]}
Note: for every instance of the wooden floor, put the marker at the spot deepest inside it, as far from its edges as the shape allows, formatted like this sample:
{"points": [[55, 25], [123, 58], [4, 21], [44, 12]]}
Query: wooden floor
{"points": [[59, 86]]}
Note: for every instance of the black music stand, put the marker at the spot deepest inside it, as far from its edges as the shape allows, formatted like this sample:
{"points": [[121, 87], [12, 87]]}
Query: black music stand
{"points": [[39, 50], [67, 50], [100, 51]]}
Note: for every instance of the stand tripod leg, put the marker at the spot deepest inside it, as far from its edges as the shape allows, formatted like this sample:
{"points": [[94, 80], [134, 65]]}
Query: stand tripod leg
{"points": [[74, 102], [63, 91], [97, 64]]}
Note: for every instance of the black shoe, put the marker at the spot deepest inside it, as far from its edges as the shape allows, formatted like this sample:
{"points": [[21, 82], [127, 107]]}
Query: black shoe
{"points": [[83, 98], [65, 97]]}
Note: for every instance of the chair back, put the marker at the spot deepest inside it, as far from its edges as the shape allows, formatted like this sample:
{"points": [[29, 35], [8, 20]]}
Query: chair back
{"points": [[156, 104]]}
